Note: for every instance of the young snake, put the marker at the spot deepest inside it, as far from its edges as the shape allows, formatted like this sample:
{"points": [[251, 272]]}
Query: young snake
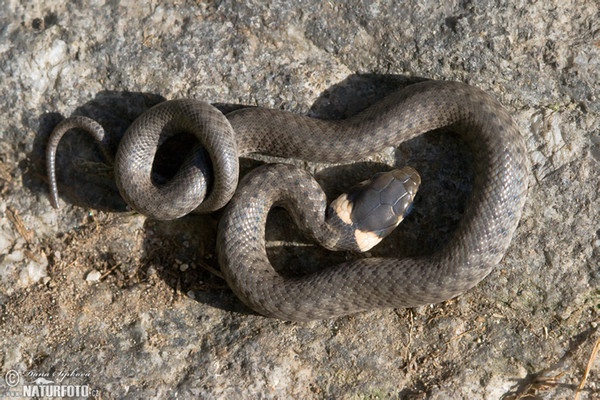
{"points": [[478, 244]]}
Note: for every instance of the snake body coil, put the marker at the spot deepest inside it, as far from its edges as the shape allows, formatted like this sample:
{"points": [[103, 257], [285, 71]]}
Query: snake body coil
{"points": [[480, 241]]}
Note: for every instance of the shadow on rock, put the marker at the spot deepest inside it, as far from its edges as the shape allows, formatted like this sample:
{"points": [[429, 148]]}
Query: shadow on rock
{"points": [[84, 177]]}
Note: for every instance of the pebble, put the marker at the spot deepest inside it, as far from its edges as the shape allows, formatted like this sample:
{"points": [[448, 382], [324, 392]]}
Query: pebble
{"points": [[93, 276]]}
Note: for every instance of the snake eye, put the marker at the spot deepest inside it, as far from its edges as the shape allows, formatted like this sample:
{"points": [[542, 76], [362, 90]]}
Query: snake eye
{"points": [[379, 205]]}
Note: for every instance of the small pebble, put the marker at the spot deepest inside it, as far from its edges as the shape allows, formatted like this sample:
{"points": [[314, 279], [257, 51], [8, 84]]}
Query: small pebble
{"points": [[183, 267], [93, 276]]}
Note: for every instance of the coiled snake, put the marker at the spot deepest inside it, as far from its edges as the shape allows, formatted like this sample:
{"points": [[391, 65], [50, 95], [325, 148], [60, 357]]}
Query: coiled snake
{"points": [[478, 244]]}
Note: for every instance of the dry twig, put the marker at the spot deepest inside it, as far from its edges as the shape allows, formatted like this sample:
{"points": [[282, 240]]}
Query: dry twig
{"points": [[587, 369]]}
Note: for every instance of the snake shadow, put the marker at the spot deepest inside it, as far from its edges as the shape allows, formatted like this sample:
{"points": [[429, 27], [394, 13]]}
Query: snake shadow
{"points": [[84, 177], [86, 180]]}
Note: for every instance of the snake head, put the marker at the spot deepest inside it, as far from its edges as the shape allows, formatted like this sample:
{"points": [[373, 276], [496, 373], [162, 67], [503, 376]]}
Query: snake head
{"points": [[375, 207]]}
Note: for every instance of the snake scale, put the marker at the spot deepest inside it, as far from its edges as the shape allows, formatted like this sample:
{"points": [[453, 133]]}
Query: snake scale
{"points": [[478, 244]]}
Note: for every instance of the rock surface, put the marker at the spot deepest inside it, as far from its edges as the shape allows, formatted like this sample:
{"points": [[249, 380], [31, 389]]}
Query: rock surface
{"points": [[153, 322]]}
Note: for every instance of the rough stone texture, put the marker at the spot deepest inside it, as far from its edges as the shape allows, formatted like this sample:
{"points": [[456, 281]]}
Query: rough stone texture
{"points": [[155, 323]]}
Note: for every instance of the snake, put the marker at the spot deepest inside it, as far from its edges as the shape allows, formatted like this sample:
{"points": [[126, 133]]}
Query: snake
{"points": [[208, 180]]}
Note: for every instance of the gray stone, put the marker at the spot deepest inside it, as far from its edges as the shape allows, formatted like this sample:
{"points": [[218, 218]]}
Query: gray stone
{"points": [[152, 328]]}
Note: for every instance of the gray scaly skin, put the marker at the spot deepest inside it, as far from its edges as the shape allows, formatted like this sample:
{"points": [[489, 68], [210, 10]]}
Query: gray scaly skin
{"points": [[479, 243]]}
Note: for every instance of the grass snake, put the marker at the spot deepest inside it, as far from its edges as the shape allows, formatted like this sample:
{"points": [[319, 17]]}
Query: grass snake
{"points": [[478, 244]]}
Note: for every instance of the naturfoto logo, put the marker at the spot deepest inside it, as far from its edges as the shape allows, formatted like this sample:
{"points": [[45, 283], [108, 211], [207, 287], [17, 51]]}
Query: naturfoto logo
{"points": [[44, 384]]}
